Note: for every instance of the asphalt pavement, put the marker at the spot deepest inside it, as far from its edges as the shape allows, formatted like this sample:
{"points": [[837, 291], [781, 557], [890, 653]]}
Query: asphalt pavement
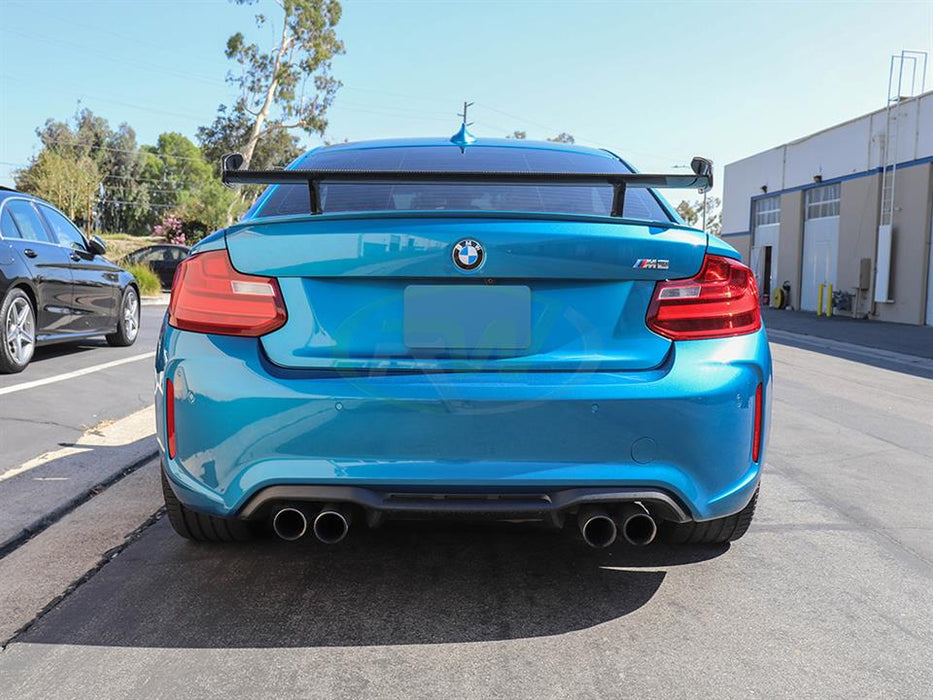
{"points": [[829, 595], [40, 418], [887, 337], [76, 418]]}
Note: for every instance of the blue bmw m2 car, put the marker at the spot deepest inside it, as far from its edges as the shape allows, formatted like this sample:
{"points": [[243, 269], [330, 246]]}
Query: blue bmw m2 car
{"points": [[456, 327]]}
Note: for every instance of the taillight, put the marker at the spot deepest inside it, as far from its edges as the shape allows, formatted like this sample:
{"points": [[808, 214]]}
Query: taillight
{"points": [[170, 417], [756, 431], [209, 296], [720, 301]]}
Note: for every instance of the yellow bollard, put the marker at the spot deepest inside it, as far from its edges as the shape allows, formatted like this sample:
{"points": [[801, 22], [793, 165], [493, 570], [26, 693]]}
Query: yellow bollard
{"points": [[829, 301], [819, 299]]}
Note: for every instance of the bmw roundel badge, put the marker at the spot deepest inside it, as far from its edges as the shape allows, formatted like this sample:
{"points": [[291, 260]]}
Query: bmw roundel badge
{"points": [[468, 254]]}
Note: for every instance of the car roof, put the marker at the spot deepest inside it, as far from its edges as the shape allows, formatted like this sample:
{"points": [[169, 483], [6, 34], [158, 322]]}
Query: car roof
{"points": [[443, 153], [8, 192]]}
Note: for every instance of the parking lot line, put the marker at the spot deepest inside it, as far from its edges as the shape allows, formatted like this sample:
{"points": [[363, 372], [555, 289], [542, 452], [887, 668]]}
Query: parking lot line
{"points": [[77, 373]]}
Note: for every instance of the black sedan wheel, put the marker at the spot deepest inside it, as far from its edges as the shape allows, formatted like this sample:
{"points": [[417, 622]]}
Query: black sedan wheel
{"points": [[127, 320], [17, 332]]}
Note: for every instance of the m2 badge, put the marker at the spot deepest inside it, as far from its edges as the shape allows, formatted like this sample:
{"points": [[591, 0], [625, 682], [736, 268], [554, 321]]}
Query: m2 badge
{"points": [[652, 264]]}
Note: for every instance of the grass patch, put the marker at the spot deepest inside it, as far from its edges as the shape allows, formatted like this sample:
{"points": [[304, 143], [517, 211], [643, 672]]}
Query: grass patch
{"points": [[120, 244], [148, 281]]}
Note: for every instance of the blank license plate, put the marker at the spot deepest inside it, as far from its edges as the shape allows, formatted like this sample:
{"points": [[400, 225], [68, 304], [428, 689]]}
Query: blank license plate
{"points": [[461, 317]]}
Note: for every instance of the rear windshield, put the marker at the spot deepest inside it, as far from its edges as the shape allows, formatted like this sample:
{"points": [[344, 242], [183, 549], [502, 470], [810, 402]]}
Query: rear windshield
{"points": [[350, 197], [491, 196]]}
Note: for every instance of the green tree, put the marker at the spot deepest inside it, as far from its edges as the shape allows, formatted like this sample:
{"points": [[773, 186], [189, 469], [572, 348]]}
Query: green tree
{"points": [[229, 132], [172, 166], [208, 208], [289, 86], [183, 184], [520, 135], [68, 182], [563, 137], [123, 202], [124, 205], [692, 214]]}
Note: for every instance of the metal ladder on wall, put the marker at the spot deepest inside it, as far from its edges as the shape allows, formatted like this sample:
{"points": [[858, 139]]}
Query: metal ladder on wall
{"points": [[906, 79]]}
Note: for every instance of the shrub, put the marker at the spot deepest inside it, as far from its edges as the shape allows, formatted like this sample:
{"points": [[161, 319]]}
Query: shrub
{"points": [[148, 281], [171, 229]]}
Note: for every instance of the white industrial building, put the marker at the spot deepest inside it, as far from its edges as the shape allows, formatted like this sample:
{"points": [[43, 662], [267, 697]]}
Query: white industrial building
{"points": [[819, 210]]}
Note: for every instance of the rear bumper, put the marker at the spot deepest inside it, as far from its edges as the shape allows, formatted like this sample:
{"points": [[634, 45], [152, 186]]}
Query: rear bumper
{"points": [[683, 430]]}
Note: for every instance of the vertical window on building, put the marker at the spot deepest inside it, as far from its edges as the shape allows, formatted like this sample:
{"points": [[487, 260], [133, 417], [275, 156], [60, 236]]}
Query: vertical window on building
{"points": [[823, 202], [767, 211]]}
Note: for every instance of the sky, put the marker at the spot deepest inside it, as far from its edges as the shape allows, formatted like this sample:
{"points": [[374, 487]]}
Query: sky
{"points": [[656, 82]]}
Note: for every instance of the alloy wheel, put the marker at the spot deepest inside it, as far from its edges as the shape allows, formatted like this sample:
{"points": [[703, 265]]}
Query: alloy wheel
{"points": [[20, 335], [130, 314]]}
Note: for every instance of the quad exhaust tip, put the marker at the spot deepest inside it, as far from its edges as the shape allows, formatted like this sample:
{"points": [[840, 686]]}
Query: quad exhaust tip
{"points": [[289, 524], [597, 527], [331, 524], [637, 525]]}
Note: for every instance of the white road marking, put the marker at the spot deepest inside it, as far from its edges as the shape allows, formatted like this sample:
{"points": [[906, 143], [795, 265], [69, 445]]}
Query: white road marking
{"points": [[71, 375]]}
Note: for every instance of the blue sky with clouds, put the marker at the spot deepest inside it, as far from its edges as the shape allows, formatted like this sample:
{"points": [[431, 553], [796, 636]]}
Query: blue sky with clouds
{"points": [[657, 81]]}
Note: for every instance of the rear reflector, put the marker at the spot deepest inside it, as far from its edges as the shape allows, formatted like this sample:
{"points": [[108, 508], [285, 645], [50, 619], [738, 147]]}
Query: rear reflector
{"points": [[170, 417], [209, 296], [756, 435], [720, 301]]}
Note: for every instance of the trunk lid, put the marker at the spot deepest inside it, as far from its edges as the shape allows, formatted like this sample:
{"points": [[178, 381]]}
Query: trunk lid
{"points": [[383, 293]]}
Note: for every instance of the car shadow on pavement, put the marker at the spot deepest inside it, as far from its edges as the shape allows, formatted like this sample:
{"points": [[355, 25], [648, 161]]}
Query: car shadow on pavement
{"points": [[51, 352], [401, 584]]}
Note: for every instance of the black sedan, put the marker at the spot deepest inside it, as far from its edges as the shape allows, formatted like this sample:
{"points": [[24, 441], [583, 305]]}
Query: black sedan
{"points": [[162, 258], [55, 284]]}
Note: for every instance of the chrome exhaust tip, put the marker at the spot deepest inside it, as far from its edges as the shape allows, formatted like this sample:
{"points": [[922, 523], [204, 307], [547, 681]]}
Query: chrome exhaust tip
{"points": [[597, 527], [331, 524], [289, 523], [637, 526]]}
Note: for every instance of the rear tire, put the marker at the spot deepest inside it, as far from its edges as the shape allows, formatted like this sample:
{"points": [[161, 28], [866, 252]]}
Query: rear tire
{"points": [[717, 531], [127, 319], [17, 332], [201, 527]]}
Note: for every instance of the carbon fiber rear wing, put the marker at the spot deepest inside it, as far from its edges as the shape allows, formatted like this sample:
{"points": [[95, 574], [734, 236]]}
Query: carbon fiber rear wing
{"points": [[701, 178]]}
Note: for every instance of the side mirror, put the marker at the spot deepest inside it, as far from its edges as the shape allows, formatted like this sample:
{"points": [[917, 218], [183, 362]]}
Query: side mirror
{"points": [[97, 245], [703, 167]]}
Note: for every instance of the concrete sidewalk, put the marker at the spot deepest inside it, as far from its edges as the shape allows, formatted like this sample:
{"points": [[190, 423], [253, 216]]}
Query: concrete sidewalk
{"points": [[891, 337]]}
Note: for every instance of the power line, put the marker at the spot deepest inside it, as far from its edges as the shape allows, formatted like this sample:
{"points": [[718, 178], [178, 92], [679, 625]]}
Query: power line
{"points": [[148, 205], [101, 98], [44, 40], [94, 147], [212, 80]]}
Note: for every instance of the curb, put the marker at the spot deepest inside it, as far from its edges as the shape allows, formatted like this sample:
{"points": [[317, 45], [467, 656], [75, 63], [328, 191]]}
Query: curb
{"points": [[44, 523], [160, 300]]}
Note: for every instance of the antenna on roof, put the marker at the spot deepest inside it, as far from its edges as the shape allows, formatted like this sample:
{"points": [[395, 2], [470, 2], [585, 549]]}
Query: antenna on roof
{"points": [[466, 106], [463, 137]]}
